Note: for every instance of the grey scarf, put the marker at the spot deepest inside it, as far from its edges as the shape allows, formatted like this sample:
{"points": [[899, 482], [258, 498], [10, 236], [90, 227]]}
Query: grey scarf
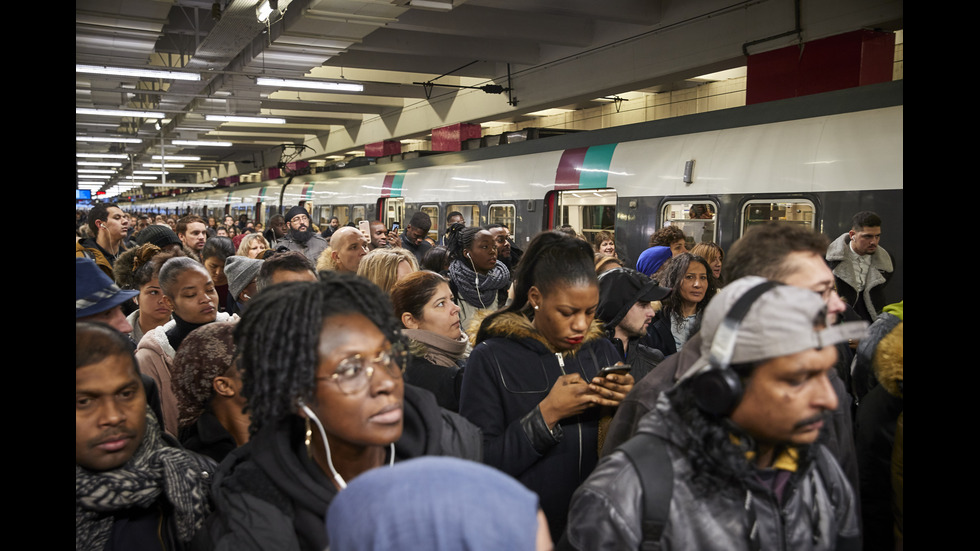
{"points": [[490, 283]]}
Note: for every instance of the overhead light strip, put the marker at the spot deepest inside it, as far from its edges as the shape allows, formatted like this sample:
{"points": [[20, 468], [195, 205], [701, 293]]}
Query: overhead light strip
{"points": [[310, 84], [193, 143], [235, 118], [107, 140], [129, 72], [119, 113]]}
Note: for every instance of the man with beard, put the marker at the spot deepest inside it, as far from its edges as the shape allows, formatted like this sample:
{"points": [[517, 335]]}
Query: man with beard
{"points": [[300, 237], [625, 311], [332, 226]]}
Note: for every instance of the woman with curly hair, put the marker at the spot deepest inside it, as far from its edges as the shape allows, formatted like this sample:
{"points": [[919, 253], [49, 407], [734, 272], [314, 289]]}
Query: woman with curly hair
{"points": [[324, 409], [692, 285], [605, 243], [670, 236], [139, 269]]}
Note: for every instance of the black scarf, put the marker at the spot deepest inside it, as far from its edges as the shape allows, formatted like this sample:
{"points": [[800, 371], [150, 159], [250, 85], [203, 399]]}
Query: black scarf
{"points": [[486, 296], [156, 471]]}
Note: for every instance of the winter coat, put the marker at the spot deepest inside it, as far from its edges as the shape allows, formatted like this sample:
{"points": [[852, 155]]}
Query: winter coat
{"points": [[866, 304], [818, 510], [88, 248], [507, 376], [312, 249], [269, 494]]}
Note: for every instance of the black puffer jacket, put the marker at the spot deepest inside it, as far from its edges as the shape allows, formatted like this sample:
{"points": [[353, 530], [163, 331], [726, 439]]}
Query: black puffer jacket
{"points": [[270, 495], [507, 376]]}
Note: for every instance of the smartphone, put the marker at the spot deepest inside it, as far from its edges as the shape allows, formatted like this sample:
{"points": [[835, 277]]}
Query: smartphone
{"points": [[365, 227], [617, 369], [394, 227]]}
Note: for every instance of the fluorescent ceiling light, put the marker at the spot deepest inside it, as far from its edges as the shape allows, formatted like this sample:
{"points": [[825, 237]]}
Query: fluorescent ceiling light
{"points": [[432, 5], [96, 163], [103, 171], [235, 118], [102, 155], [109, 140], [160, 165], [128, 72], [193, 143], [94, 176], [263, 11], [310, 84], [175, 158], [149, 171], [119, 113]]}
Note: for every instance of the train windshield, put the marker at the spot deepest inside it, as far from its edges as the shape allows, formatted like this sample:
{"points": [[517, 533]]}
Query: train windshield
{"points": [[587, 211], [696, 219], [796, 211]]}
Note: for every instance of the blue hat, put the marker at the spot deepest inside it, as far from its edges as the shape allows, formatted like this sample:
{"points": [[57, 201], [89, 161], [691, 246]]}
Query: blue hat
{"points": [[94, 291], [652, 259], [433, 503]]}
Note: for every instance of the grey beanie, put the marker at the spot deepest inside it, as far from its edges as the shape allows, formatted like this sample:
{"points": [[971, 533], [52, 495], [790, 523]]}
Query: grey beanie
{"points": [[240, 270]]}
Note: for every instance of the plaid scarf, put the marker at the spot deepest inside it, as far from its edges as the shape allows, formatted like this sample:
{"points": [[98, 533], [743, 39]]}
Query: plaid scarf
{"points": [[157, 470]]}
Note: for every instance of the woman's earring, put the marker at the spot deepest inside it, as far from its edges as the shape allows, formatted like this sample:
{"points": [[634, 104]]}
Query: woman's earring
{"points": [[535, 306]]}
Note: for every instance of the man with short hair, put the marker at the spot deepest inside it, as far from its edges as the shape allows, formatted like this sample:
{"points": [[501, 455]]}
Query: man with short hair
{"points": [[161, 236], [729, 459], [283, 267], [625, 311], [861, 267], [347, 247], [276, 230], [454, 217], [330, 228], [110, 226], [301, 237], [413, 239], [379, 235], [192, 232], [507, 252], [135, 487], [778, 251], [98, 298]]}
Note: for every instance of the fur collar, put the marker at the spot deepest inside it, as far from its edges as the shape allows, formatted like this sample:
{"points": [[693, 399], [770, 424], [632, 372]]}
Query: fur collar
{"points": [[517, 326], [837, 251]]}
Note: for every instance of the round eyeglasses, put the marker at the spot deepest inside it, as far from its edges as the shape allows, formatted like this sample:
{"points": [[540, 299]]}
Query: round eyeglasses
{"points": [[354, 372]]}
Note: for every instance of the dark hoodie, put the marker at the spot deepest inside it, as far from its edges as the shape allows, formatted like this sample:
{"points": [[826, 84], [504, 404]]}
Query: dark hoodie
{"points": [[270, 495], [507, 376]]}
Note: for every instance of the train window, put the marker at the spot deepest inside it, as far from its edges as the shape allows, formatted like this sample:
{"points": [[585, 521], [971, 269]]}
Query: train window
{"points": [[471, 213], [358, 213], [503, 214], [696, 219], [341, 213], [797, 211], [588, 211], [433, 212]]}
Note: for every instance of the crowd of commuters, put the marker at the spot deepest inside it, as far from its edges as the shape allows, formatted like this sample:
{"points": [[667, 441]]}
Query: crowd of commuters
{"points": [[291, 386]]}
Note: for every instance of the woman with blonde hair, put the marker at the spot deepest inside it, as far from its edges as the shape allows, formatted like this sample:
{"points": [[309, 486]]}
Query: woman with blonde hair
{"points": [[713, 253], [385, 267], [251, 245]]}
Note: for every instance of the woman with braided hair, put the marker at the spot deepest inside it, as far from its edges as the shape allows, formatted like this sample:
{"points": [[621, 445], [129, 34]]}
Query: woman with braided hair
{"points": [[321, 366], [478, 280], [139, 269]]}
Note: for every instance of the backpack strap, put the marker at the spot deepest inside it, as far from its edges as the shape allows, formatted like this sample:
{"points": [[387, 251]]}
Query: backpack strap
{"points": [[648, 453]]}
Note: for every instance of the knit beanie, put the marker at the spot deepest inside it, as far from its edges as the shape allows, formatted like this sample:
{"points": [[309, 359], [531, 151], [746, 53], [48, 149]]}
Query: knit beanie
{"points": [[241, 270], [454, 504], [161, 236], [207, 352], [294, 212]]}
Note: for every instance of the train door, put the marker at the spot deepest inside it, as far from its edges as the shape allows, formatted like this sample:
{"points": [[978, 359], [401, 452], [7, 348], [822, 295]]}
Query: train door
{"points": [[391, 210], [587, 211], [793, 210], [358, 213], [342, 212], [696, 218], [505, 214]]}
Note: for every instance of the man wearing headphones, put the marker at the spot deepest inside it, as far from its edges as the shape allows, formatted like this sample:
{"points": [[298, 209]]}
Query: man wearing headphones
{"points": [[729, 456], [109, 224]]}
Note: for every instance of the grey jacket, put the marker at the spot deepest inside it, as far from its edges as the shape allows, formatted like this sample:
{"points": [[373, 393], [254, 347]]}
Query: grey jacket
{"points": [[312, 249], [818, 508]]}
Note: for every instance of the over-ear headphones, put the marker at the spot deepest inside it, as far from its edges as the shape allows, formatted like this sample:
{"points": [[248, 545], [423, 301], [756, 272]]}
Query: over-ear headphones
{"points": [[718, 389]]}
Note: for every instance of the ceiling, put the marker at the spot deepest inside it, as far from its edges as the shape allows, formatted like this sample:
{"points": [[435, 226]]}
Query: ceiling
{"points": [[551, 53]]}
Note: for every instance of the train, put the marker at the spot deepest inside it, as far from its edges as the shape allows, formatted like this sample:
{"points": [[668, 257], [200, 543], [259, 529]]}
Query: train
{"points": [[812, 160]]}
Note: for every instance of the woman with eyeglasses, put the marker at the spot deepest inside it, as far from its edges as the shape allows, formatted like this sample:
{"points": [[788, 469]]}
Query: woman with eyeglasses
{"points": [[321, 366]]}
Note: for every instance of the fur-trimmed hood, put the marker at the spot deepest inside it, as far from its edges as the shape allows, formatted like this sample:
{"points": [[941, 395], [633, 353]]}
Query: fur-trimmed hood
{"points": [[889, 364], [518, 327]]}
